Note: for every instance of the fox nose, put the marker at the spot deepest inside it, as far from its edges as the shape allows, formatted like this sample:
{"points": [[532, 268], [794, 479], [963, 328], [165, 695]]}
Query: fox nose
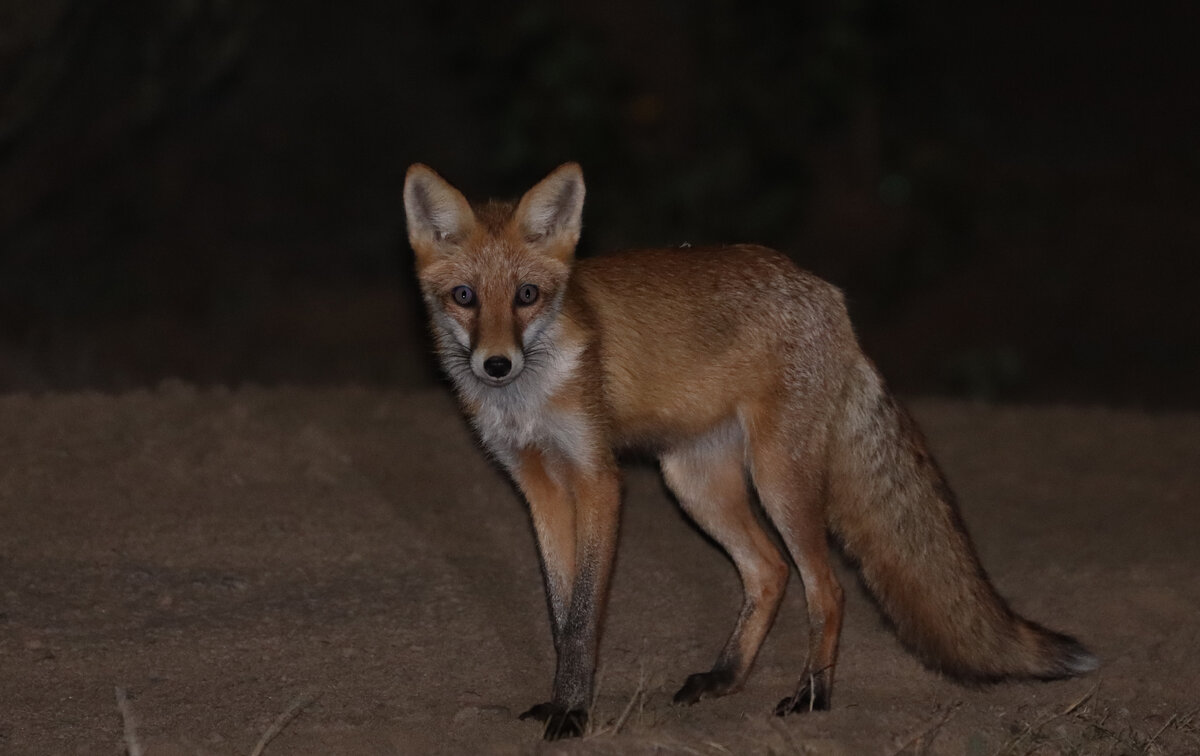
{"points": [[497, 366]]}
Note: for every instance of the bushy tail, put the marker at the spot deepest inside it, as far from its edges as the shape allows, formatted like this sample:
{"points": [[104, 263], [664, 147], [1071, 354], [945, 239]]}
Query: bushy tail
{"points": [[896, 516]]}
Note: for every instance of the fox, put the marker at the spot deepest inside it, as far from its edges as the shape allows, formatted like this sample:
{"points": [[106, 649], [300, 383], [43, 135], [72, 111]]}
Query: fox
{"points": [[742, 374]]}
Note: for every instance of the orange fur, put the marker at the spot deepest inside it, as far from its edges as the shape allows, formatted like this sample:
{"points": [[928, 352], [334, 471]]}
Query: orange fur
{"points": [[725, 362]]}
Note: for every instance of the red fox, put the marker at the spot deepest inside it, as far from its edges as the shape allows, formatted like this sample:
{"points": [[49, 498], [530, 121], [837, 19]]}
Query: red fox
{"points": [[733, 366]]}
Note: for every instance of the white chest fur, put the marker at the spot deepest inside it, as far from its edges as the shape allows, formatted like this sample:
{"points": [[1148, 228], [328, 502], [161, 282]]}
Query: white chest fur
{"points": [[522, 414]]}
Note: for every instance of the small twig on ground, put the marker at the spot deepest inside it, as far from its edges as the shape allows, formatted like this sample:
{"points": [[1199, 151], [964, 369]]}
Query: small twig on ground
{"points": [[637, 695], [589, 727], [1083, 699], [302, 702], [1033, 729], [781, 728], [926, 736], [1185, 722], [132, 746], [1154, 737]]}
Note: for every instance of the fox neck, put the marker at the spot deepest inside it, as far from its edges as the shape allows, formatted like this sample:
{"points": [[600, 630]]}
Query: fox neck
{"points": [[520, 414]]}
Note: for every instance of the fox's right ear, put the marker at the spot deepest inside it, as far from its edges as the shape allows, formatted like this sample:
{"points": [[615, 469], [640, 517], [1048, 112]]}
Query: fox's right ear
{"points": [[439, 217]]}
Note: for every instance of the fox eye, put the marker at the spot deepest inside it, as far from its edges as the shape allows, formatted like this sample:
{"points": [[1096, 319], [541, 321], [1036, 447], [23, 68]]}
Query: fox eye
{"points": [[527, 294], [464, 296]]}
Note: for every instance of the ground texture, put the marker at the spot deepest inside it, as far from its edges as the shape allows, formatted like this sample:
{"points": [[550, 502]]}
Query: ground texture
{"points": [[226, 558]]}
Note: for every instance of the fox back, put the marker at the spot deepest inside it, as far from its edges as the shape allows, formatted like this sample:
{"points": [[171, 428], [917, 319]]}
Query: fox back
{"points": [[678, 337]]}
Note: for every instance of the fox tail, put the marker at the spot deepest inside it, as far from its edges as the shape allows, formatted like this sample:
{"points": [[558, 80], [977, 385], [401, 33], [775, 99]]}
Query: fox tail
{"points": [[896, 516]]}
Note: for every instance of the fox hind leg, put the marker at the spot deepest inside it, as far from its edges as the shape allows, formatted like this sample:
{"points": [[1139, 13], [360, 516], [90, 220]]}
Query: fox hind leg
{"points": [[709, 479], [791, 485]]}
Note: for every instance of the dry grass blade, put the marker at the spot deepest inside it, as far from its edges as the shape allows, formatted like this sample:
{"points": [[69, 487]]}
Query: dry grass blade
{"points": [[925, 737], [782, 729], [637, 696], [1149, 743], [1034, 728], [132, 746], [302, 702], [1082, 700], [589, 726]]}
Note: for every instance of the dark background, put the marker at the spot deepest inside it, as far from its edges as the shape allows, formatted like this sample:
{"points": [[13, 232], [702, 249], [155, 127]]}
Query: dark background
{"points": [[210, 189]]}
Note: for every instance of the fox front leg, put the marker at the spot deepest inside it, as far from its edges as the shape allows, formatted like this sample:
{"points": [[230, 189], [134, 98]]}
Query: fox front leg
{"points": [[575, 514]]}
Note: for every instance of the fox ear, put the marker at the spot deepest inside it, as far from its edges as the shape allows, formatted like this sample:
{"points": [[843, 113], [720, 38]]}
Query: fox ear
{"points": [[439, 217], [551, 213]]}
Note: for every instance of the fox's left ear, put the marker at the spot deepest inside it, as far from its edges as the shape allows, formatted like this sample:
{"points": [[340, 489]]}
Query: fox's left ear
{"points": [[550, 214]]}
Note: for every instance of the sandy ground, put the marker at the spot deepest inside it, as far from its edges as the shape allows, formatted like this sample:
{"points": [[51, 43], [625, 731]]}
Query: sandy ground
{"points": [[225, 557]]}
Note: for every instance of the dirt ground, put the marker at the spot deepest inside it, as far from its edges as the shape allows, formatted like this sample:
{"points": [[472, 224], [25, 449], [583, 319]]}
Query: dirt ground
{"points": [[348, 556]]}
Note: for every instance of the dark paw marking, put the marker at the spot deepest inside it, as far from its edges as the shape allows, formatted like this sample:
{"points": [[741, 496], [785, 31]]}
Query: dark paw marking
{"points": [[703, 685], [539, 712], [559, 721], [804, 700]]}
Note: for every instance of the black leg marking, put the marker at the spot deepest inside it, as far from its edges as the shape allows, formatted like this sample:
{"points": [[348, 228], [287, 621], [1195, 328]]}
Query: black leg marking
{"points": [[811, 695], [538, 712], [559, 722], [704, 685]]}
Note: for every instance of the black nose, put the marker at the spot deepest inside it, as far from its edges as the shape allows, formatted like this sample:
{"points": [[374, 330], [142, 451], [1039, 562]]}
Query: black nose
{"points": [[497, 366]]}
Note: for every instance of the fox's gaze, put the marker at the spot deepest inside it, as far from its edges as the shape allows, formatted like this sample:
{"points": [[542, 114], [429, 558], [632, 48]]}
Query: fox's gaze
{"points": [[730, 364], [463, 296], [527, 295]]}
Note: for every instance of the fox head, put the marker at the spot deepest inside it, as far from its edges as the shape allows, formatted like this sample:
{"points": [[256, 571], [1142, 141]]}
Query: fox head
{"points": [[493, 276]]}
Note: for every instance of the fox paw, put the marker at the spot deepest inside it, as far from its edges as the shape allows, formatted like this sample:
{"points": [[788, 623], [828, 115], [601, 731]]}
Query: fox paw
{"points": [[805, 699], [703, 685], [559, 721]]}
